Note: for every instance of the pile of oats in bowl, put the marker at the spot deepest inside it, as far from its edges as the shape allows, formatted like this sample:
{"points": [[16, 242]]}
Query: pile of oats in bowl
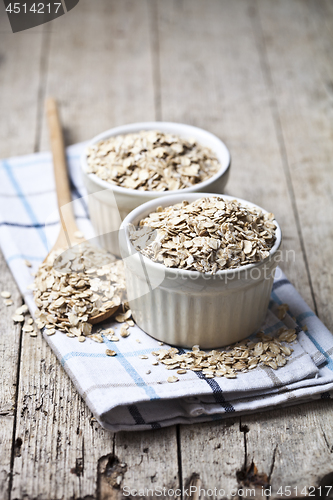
{"points": [[207, 235], [75, 285], [151, 161]]}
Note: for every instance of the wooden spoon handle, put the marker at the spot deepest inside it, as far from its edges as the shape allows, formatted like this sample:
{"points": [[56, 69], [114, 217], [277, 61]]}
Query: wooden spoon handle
{"points": [[59, 159], [67, 218]]}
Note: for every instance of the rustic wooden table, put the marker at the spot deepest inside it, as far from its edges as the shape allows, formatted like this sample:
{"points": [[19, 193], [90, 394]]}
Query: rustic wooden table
{"points": [[259, 75]]}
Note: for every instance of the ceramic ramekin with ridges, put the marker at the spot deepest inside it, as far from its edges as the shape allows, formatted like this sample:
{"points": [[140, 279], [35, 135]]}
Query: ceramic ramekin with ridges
{"points": [[186, 308], [109, 204]]}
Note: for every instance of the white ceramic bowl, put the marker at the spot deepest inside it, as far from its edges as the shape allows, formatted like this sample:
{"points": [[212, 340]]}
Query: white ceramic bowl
{"points": [[109, 204], [185, 308]]}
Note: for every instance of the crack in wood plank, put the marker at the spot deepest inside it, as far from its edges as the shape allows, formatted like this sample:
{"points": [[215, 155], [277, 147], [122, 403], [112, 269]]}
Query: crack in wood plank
{"points": [[155, 54], [43, 66], [244, 429], [273, 463], [179, 460]]}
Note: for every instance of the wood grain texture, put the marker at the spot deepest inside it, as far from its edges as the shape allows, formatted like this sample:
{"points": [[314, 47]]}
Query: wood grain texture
{"points": [[291, 446], [19, 83], [294, 54], [151, 460], [53, 425], [9, 359], [298, 43], [21, 57], [100, 68], [213, 453]]}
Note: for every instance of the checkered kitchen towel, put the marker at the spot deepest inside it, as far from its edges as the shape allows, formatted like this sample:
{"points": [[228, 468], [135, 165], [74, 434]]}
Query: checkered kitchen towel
{"points": [[118, 390]]}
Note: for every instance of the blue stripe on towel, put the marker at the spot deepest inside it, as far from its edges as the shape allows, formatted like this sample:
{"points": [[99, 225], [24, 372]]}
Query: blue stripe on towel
{"points": [[150, 391], [78, 196], [217, 391], [300, 317], [25, 202], [38, 225], [329, 361], [38, 161], [128, 354], [277, 284], [155, 425], [122, 360], [24, 257], [138, 418], [73, 354]]}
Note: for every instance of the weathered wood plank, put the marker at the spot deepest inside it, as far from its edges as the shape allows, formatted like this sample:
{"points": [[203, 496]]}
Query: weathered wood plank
{"points": [[292, 446], [20, 59], [19, 81], [104, 49], [100, 68], [152, 462], [212, 453], [293, 57], [9, 359], [298, 42], [53, 425]]}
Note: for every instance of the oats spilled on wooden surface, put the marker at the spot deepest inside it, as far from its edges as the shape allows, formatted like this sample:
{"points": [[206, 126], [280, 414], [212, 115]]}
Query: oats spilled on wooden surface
{"points": [[22, 309], [207, 235], [74, 285], [240, 357], [27, 328], [21, 316], [18, 318], [151, 161]]}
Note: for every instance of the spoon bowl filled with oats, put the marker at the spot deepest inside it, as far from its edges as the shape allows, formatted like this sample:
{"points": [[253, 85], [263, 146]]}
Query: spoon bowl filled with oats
{"points": [[78, 284], [132, 164], [199, 267]]}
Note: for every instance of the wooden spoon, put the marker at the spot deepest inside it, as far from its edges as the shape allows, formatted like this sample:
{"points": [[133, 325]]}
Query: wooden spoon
{"points": [[69, 234]]}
